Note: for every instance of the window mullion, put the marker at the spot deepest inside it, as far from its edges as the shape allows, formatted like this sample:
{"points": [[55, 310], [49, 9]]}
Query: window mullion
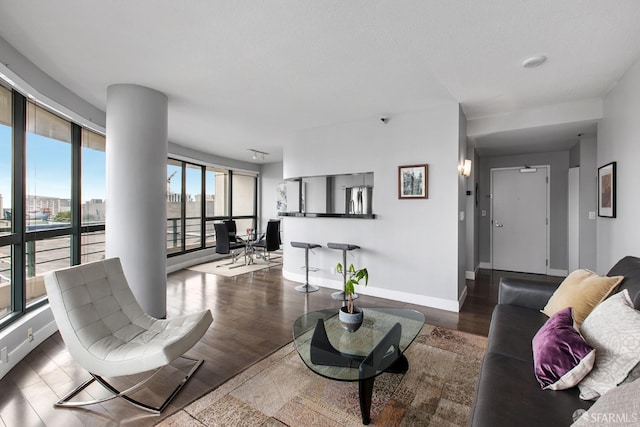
{"points": [[255, 203], [76, 191], [203, 207], [183, 208], [230, 194], [18, 199]]}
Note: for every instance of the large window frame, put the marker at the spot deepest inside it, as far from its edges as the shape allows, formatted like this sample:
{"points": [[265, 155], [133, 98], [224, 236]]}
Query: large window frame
{"points": [[21, 240], [176, 224]]}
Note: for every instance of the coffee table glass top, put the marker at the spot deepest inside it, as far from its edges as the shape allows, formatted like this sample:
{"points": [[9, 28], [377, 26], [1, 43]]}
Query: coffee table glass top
{"points": [[378, 322]]}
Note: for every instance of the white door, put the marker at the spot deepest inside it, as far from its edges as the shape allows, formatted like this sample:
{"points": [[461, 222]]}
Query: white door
{"points": [[519, 219]]}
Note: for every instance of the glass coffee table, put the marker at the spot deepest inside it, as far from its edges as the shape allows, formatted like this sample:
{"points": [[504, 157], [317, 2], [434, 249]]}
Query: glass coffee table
{"points": [[378, 346]]}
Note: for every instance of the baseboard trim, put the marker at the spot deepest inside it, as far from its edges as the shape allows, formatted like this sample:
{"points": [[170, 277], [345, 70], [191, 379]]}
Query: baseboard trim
{"points": [[24, 347], [470, 275], [191, 262], [486, 265], [557, 272], [462, 298], [423, 300]]}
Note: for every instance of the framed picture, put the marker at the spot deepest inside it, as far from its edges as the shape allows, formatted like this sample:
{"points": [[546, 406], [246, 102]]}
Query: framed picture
{"points": [[412, 182], [281, 197], [607, 190]]}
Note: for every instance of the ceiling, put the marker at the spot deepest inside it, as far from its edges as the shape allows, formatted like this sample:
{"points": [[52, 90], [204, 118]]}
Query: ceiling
{"points": [[249, 74]]}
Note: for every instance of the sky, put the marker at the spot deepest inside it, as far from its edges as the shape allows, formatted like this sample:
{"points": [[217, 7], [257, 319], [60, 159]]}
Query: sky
{"points": [[49, 168]]}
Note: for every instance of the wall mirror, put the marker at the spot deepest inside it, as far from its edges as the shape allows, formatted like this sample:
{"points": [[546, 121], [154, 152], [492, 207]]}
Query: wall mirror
{"points": [[347, 194]]}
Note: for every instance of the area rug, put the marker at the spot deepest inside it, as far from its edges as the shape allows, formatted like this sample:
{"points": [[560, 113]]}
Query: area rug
{"points": [[222, 268], [437, 390]]}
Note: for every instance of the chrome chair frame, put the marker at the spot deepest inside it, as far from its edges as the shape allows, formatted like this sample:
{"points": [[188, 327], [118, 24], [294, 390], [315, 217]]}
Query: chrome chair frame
{"points": [[65, 401]]}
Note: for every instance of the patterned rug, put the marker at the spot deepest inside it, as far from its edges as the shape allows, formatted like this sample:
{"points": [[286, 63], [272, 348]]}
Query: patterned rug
{"points": [[438, 390], [223, 268]]}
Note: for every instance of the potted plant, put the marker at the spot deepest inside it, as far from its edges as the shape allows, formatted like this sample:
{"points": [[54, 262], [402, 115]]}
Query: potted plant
{"points": [[351, 316]]}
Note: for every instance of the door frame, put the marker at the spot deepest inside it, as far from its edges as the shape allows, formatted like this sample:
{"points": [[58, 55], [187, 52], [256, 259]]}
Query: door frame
{"points": [[547, 213]]}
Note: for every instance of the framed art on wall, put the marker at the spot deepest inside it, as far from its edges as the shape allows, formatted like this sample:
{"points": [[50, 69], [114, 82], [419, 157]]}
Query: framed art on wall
{"points": [[412, 182], [281, 197], [607, 190]]}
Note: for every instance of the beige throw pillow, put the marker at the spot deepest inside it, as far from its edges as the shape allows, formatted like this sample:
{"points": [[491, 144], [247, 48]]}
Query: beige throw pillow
{"points": [[582, 290]]}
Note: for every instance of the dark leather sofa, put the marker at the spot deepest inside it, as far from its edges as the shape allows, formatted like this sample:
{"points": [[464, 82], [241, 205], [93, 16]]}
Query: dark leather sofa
{"points": [[508, 393]]}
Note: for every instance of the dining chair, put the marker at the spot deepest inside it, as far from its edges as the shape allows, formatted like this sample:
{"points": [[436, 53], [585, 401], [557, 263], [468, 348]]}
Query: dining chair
{"points": [[268, 242], [224, 245]]}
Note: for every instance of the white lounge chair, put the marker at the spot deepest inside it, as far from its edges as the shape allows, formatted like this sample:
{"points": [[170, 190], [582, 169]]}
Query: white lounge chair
{"points": [[108, 334]]}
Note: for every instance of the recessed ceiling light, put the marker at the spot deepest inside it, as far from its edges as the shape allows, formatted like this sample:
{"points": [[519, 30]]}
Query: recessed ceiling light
{"points": [[534, 61]]}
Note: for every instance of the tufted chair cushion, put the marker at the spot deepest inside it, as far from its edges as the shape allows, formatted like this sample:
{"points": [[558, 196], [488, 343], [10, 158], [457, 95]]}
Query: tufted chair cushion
{"points": [[104, 327]]}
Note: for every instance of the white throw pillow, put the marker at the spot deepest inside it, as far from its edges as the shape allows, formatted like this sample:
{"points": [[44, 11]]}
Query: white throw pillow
{"points": [[619, 406], [613, 329]]}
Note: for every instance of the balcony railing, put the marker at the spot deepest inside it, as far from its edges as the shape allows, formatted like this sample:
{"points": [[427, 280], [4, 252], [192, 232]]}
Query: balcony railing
{"points": [[192, 235], [43, 256]]}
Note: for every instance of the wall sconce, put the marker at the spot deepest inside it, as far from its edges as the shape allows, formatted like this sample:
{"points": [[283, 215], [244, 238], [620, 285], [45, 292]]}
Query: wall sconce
{"points": [[465, 168], [257, 153]]}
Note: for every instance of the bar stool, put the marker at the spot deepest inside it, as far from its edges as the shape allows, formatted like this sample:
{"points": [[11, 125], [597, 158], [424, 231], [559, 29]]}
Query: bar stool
{"points": [[307, 288], [344, 247]]}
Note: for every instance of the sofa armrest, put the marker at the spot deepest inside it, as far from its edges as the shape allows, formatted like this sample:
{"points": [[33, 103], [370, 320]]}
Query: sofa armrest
{"points": [[525, 293]]}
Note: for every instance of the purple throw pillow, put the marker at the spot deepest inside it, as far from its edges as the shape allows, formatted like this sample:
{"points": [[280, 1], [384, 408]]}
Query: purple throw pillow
{"points": [[561, 357]]}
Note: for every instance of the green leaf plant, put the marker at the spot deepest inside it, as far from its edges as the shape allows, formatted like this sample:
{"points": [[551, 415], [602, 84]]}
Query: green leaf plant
{"points": [[352, 278]]}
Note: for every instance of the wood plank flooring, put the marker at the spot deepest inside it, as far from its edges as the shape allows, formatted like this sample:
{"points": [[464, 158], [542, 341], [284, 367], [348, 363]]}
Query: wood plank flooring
{"points": [[253, 314]]}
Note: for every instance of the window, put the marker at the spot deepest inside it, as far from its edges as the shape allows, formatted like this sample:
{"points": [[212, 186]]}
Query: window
{"points": [[48, 224], [198, 196], [93, 196], [43, 256], [5, 280], [48, 177], [6, 154], [217, 192], [174, 206], [193, 206], [217, 200], [48, 196], [94, 191], [6, 185], [243, 201]]}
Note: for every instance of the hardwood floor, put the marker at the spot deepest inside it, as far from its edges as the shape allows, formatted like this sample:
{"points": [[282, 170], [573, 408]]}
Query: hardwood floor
{"points": [[253, 314]]}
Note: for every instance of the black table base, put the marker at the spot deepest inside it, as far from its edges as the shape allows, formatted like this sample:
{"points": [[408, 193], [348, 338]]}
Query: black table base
{"points": [[385, 357]]}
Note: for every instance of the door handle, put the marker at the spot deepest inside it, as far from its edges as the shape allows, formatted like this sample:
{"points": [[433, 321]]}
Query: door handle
{"points": [[499, 225]]}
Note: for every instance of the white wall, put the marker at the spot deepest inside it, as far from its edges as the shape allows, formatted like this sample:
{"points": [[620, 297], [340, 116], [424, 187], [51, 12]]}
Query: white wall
{"points": [[270, 177], [618, 136], [411, 248], [464, 217], [588, 203]]}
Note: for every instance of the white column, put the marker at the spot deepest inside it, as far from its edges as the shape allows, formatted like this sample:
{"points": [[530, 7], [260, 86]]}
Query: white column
{"points": [[136, 219]]}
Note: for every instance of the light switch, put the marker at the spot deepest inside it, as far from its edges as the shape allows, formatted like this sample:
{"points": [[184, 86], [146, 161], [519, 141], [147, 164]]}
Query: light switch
{"points": [[461, 215], [592, 215], [484, 212]]}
